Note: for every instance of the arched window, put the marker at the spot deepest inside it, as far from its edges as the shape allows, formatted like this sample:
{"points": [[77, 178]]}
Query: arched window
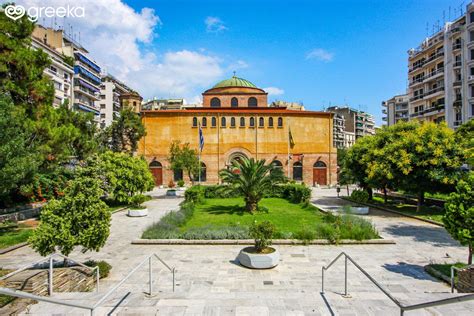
{"points": [[280, 122], [298, 171], [319, 164], [276, 165], [252, 122], [195, 122], [232, 122], [155, 164], [242, 121], [234, 102], [270, 121], [204, 122], [223, 122], [215, 103], [203, 172], [252, 102], [177, 174], [213, 122], [261, 122]]}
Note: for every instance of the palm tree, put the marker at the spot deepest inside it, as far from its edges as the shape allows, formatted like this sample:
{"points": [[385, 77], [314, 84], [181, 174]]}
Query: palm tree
{"points": [[250, 178]]}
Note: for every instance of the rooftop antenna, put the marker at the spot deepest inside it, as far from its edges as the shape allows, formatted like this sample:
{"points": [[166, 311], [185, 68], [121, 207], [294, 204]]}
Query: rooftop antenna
{"points": [[234, 73], [444, 17], [427, 29], [449, 14]]}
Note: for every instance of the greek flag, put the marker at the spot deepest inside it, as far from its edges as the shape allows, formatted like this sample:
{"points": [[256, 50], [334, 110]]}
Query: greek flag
{"points": [[201, 139]]}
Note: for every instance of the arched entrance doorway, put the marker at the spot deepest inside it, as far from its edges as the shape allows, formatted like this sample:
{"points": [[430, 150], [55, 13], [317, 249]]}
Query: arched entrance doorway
{"points": [[236, 157], [157, 171], [319, 173], [298, 171]]}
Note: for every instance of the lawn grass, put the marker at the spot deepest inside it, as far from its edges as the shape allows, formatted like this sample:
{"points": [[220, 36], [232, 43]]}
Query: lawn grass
{"points": [[226, 218], [287, 217], [13, 237], [445, 269], [5, 299], [432, 213]]}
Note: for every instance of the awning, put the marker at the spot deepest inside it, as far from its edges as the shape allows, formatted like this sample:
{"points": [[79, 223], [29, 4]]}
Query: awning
{"points": [[85, 108], [88, 86]]}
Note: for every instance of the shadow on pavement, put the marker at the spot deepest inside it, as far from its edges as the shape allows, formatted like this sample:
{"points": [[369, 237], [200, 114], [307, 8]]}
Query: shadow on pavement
{"points": [[411, 270], [434, 235]]}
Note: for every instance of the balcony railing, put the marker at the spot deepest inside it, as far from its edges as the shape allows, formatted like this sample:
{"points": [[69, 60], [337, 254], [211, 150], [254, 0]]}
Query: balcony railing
{"points": [[457, 63], [434, 73], [457, 46], [417, 97], [457, 83], [433, 91], [433, 57], [457, 103]]}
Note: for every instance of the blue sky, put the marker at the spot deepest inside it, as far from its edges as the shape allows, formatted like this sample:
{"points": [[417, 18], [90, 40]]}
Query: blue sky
{"points": [[365, 41], [315, 52]]}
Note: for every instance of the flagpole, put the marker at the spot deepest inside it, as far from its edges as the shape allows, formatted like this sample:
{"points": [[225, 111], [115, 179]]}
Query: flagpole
{"points": [[199, 146], [288, 151]]}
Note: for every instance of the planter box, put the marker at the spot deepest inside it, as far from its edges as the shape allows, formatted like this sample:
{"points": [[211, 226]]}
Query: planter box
{"points": [[359, 210], [258, 260], [138, 213], [171, 192]]}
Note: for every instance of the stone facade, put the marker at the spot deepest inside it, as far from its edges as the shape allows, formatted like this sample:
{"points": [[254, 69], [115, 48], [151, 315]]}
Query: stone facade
{"points": [[242, 94]]}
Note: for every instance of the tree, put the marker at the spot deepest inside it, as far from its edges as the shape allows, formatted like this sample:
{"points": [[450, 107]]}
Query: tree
{"points": [[250, 178], [459, 217], [18, 160], [21, 67], [355, 164], [78, 219], [125, 175], [182, 157], [465, 137], [125, 132], [424, 158]]}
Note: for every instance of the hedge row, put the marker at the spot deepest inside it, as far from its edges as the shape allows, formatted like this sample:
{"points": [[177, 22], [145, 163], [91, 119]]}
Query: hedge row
{"points": [[295, 193]]}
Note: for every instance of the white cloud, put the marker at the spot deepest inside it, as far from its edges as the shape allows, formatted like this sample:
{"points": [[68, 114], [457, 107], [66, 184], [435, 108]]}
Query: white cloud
{"points": [[274, 91], [120, 40], [320, 54], [239, 64], [214, 24]]}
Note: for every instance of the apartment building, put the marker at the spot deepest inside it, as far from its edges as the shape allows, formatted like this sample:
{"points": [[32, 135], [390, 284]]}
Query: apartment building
{"points": [[395, 109], [356, 123], [338, 131], [163, 104], [109, 103], [441, 74], [87, 73], [60, 71]]}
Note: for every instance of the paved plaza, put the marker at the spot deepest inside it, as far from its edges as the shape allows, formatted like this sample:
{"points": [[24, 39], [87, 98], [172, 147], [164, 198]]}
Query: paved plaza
{"points": [[210, 282]]}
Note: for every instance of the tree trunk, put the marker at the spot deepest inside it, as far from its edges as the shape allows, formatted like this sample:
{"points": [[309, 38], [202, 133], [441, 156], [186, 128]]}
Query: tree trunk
{"points": [[250, 206], [469, 260], [371, 193], [191, 178], [347, 188], [421, 201], [385, 195]]}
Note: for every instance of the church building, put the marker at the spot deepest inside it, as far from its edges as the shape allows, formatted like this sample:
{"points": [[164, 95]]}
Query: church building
{"points": [[237, 122]]}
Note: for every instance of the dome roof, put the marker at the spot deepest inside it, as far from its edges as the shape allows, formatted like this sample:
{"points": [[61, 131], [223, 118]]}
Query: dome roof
{"points": [[234, 82]]}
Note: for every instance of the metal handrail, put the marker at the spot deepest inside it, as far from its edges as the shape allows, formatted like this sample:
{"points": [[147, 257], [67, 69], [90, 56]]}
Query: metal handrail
{"points": [[91, 308], [402, 307]]}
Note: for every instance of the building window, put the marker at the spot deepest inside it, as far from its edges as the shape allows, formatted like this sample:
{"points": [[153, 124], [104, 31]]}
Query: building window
{"points": [[472, 91], [472, 54], [195, 122], [270, 121], [252, 102], [471, 71], [232, 122], [223, 122], [204, 122], [53, 69], [471, 16], [471, 36], [280, 122], [102, 106], [242, 121], [215, 103], [298, 171], [234, 102], [261, 122], [472, 109], [213, 122], [252, 122], [177, 175]]}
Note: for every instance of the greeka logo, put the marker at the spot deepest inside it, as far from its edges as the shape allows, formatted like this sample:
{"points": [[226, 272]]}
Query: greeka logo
{"points": [[15, 12]]}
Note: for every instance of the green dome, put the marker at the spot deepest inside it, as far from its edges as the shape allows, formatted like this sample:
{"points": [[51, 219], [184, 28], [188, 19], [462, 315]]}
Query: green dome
{"points": [[234, 82]]}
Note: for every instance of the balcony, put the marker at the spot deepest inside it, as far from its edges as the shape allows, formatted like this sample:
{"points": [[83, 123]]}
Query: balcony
{"points": [[384, 118], [384, 111], [434, 74], [457, 103], [457, 63], [433, 91], [457, 83], [433, 58], [418, 80], [417, 97], [457, 46]]}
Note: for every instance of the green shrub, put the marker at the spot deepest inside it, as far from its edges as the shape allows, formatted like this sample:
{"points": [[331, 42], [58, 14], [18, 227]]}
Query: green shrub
{"points": [[137, 200], [360, 196], [218, 191], [180, 183], [168, 226], [306, 234], [104, 267], [296, 193], [221, 232], [262, 233], [337, 227], [194, 194]]}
